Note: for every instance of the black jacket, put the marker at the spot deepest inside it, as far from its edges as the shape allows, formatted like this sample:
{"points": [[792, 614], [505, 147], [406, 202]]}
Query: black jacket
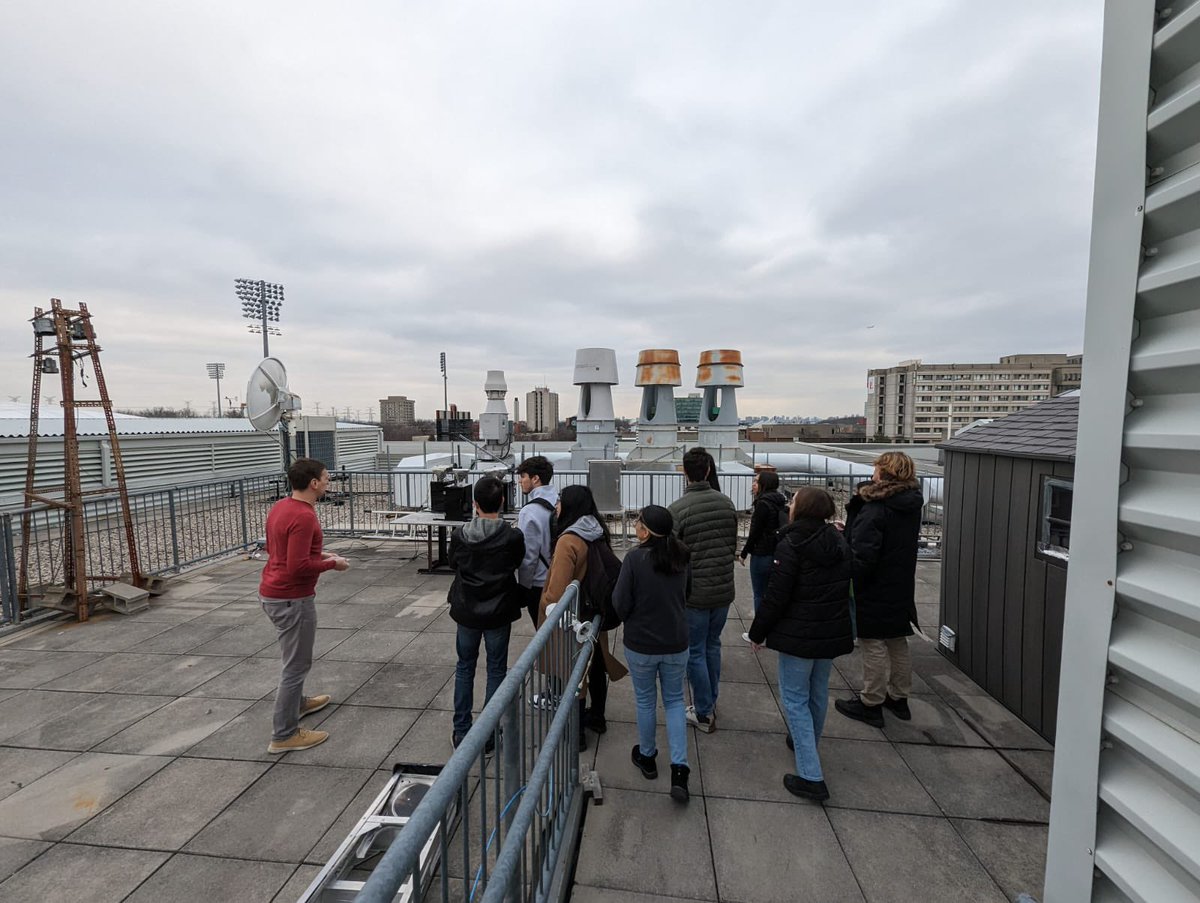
{"points": [[883, 525], [651, 605], [486, 554], [806, 609], [765, 520]]}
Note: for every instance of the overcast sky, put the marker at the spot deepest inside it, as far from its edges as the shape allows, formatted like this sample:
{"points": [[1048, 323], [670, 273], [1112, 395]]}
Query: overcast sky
{"points": [[826, 187]]}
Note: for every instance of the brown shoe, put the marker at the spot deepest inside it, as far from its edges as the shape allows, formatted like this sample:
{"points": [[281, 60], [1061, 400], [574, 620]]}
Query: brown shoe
{"points": [[313, 704], [302, 739]]}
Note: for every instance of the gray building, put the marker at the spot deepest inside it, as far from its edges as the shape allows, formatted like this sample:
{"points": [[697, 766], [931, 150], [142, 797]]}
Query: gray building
{"points": [[918, 402], [541, 410], [1007, 502], [687, 409], [397, 410]]}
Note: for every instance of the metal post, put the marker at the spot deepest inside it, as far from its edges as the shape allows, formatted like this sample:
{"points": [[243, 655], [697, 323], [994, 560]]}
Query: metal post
{"points": [[241, 484], [262, 303], [174, 528]]}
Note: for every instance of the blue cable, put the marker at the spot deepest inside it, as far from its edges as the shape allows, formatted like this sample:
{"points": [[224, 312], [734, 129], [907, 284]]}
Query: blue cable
{"points": [[503, 812]]}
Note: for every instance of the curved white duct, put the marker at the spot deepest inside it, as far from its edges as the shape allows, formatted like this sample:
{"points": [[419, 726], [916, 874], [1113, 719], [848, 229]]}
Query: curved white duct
{"points": [[795, 462]]}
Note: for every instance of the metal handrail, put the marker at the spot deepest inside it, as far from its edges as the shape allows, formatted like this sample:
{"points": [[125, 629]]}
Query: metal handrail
{"points": [[402, 859]]}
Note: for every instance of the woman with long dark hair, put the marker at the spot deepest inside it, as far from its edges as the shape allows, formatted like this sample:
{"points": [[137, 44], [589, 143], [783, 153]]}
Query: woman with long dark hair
{"points": [[767, 516], [649, 596], [579, 525], [805, 617]]}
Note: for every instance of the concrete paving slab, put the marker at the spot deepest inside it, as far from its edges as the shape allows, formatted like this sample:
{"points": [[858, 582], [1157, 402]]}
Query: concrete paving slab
{"points": [[247, 735], [342, 616], [347, 818], [23, 669], [974, 783], [367, 645], [1035, 766], [116, 637], [89, 724], [996, 724], [171, 807], [184, 637], [241, 640], [341, 680], [53, 806], [327, 639], [77, 874], [1014, 855], [411, 618], [283, 814], [19, 767], [933, 721], [445, 697], [359, 736], [251, 678], [839, 726], [220, 879], [581, 893], [627, 842], [741, 664], [386, 593], [767, 852], [443, 623], [866, 775], [616, 769], [747, 707], [30, 708], [176, 727], [301, 878], [403, 685], [178, 674], [109, 671], [429, 740], [745, 764], [923, 858], [944, 679], [15, 853], [432, 649], [234, 613]]}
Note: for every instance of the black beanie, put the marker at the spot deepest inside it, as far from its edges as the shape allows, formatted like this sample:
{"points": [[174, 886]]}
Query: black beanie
{"points": [[657, 520]]}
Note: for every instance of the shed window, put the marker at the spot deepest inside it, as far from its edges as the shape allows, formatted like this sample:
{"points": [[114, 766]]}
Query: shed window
{"points": [[1054, 540]]}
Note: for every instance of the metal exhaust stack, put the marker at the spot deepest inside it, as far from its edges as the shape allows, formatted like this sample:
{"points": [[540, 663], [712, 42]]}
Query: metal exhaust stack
{"points": [[719, 374], [595, 423], [658, 373]]}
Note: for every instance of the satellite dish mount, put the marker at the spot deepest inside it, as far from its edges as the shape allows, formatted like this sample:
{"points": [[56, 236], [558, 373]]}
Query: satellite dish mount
{"points": [[269, 402]]}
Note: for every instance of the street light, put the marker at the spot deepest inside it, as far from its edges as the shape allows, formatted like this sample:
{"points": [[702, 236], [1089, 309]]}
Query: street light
{"points": [[261, 302], [216, 371]]}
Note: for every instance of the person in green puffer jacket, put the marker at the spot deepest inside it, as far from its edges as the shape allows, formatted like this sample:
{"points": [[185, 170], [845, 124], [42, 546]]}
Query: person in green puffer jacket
{"points": [[706, 522]]}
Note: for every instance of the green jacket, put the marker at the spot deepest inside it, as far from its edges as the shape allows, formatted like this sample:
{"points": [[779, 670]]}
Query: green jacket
{"points": [[706, 522]]}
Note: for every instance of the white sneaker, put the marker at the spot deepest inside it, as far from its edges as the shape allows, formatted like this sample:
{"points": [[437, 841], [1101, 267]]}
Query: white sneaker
{"points": [[545, 701], [746, 637], [705, 723]]}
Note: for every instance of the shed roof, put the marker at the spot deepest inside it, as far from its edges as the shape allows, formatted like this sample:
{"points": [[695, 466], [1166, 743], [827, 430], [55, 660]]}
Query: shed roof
{"points": [[1044, 430], [18, 427]]}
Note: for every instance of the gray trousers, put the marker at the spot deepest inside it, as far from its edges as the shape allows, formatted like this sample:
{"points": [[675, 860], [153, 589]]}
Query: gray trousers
{"points": [[295, 623]]}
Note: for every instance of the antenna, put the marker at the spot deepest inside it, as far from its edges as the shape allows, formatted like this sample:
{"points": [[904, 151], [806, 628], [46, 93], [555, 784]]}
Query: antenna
{"points": [[269, 402]]}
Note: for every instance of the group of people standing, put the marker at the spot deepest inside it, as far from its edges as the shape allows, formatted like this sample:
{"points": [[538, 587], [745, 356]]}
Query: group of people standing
{"points": [[819, 587]]}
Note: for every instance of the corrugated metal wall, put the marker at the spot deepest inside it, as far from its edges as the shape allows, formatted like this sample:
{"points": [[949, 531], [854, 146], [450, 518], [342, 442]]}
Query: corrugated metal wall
{"points": [[1125, 823]]}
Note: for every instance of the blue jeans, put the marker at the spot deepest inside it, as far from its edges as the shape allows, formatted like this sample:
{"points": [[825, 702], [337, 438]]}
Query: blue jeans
{"points": [[804, 688], [467, 643], [704, 655], [647, 672], [760, 574]]}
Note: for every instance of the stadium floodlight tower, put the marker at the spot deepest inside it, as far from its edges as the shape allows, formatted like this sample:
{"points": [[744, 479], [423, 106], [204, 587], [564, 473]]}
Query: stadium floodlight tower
{"points": [[494, 428], [262, 303], [658, 430], [719, 374], [595, 423]]}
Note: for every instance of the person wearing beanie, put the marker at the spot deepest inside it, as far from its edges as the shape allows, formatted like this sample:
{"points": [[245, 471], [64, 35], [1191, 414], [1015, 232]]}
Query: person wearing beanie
{"points": [[650, 597]]}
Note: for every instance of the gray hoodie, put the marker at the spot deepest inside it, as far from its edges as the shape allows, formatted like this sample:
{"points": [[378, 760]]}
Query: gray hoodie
{"points": [[534, 521], [586, 528]]}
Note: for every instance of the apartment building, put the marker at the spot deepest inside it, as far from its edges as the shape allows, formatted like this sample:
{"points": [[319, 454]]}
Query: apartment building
{"points": [[397, 410], [541, 410], [917, 402]]}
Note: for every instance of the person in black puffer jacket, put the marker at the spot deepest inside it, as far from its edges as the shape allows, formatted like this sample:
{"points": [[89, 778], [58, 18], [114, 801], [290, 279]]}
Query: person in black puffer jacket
{"points": [[883, 527], [768, 514], [805, 617], [484, 598]]}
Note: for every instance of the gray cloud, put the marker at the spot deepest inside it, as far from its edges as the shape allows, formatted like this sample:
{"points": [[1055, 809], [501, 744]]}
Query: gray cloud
{"points": [[508, 183]]}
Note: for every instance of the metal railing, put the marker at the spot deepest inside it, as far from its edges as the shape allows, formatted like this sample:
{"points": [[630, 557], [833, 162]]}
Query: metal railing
{"points": [[517, 808], [180, 526]]}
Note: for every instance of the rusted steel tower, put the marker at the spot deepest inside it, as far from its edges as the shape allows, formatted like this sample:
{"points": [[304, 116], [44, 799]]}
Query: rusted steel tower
{"points": [[61, 338]]}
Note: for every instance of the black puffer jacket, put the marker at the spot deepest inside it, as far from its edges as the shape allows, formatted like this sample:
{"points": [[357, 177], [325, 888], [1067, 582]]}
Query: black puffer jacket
{"points": [[485, 553], [706, 522], [883, 526], [806, 610], [764, 523]]}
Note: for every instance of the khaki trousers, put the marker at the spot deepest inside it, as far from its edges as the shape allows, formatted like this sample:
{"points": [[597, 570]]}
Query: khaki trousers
{"points": [[887, 669]]}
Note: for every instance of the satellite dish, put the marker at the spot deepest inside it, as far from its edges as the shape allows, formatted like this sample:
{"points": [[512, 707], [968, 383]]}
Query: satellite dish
{"points": [[267, 397]]}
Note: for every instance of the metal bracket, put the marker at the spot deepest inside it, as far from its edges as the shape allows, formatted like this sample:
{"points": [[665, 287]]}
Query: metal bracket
{"points": [[590, 782]]}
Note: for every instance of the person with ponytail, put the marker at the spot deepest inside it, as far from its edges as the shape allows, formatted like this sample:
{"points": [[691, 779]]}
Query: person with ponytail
{"points": [[650, 597]]}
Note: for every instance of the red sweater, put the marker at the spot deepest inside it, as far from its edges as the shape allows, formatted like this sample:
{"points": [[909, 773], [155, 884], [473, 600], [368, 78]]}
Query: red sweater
{"points": [[294, 551]]}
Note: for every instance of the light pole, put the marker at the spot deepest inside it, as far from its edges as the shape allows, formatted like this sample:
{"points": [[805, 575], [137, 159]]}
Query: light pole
{"points": [[445, 390], [261, 302], [216, 371]]}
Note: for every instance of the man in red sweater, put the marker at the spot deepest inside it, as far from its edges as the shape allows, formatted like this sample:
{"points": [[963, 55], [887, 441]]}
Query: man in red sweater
{"points": [[288, 589]]}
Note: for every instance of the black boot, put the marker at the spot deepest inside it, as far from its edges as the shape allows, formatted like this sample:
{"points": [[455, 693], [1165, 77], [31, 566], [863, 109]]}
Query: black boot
{"points": [[808, 790], [679, 778], [645, 764], [593, 718], [855, 708], [583, 743], [898, 707]]}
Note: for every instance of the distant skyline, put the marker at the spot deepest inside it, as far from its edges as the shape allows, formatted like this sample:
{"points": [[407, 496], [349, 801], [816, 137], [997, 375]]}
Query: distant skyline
{"points": [[826, 188]]}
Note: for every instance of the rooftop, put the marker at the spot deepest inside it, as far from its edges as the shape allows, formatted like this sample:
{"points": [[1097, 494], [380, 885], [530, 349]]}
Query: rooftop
{"points": [[1043, 430], [133, 760]]}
